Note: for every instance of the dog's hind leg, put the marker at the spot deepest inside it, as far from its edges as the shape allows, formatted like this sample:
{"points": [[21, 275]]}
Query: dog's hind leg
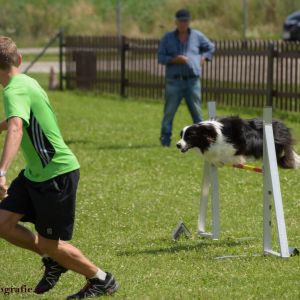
{"points": [[290, 159], [297, 160]]}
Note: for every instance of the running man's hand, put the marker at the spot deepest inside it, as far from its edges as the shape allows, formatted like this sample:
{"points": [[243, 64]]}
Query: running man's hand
{"points": [[3, 187]]}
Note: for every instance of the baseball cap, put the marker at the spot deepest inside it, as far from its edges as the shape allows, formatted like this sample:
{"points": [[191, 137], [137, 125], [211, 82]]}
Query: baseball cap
{"points": [[183, 15]]}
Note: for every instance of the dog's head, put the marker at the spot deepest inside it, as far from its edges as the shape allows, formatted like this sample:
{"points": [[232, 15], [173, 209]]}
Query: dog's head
{"points": [[200, 135]]}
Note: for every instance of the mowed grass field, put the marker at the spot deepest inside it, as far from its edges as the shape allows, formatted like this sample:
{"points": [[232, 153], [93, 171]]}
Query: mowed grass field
{"points": [[132, 194]]}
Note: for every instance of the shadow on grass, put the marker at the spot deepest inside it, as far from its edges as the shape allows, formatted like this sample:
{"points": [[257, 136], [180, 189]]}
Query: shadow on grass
{"points": [[110, 147], [182, 246]]}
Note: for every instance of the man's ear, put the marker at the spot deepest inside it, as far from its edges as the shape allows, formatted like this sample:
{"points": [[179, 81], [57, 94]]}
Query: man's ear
{"points": [[20, 59]]}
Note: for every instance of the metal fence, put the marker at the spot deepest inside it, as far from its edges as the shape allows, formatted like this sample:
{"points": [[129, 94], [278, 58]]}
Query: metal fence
{"points": [[254, 73], [242, 73], [108, 64]]}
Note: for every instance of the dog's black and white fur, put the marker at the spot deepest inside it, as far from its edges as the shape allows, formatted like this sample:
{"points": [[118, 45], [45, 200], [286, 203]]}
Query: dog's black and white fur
{"points": [[231, 140]]}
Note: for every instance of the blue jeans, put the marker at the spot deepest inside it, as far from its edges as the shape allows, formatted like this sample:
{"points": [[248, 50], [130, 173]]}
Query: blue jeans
{"points": [[177, 89]]}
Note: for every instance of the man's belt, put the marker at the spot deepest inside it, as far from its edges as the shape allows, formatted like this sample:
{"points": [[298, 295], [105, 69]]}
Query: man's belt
{"points": [[182, 77]]}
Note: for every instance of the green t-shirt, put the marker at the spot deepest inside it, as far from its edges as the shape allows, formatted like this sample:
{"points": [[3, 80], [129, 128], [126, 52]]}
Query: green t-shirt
{"points": [[43, 147]]}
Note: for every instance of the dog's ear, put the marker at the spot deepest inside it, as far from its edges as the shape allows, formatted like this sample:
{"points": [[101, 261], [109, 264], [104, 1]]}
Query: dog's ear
{"points": [[181, 133], [207, 131]]}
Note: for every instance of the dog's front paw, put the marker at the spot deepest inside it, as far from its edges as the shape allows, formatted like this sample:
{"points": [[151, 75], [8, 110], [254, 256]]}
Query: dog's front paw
{"points": [[220, 164]]}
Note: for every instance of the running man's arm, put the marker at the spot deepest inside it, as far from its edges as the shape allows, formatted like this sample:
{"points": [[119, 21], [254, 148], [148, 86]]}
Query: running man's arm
{"points": [[12, 142], [3, 125], [11, 146]]}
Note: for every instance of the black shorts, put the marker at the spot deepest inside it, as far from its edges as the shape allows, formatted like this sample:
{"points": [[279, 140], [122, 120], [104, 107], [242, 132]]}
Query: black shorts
{"points": [[50, 205]]}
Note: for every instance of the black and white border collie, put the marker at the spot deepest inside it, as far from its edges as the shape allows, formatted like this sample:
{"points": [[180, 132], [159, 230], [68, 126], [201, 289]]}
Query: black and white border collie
{"points": [[231, 140]]}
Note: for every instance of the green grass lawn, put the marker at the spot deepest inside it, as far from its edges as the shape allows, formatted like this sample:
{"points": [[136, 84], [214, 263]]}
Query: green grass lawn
{"points": [[132, 193]]}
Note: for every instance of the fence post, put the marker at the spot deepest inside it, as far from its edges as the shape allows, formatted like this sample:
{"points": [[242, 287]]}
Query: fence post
{"points": [[61, 59], [51, 41], [270, 70], [123, 48]]}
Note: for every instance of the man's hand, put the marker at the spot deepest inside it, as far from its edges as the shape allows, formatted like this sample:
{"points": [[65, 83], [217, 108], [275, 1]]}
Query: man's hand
{"points": [[203, 60], [3, 188], [180, 59]]}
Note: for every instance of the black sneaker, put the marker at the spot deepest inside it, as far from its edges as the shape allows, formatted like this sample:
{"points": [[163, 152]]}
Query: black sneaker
{"points": [[96, 287], [51, 275]]}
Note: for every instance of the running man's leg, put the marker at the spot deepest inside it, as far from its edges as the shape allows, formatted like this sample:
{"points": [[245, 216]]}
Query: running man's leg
{"points": [[67, 256], [15, 207], [55, 217], [72, 258], [15, 233]]}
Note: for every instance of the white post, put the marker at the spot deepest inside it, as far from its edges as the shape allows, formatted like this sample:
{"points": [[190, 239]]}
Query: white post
{"points": [[272, 188], [210, 179], [215, 202], [204, 198]]}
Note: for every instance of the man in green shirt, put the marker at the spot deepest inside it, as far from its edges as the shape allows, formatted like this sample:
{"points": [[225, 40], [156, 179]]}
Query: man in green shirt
{"points": [[45, 192]]}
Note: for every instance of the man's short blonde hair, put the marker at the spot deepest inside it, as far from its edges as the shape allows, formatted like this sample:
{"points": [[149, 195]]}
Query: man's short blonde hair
{"points": [[9, 55]]}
